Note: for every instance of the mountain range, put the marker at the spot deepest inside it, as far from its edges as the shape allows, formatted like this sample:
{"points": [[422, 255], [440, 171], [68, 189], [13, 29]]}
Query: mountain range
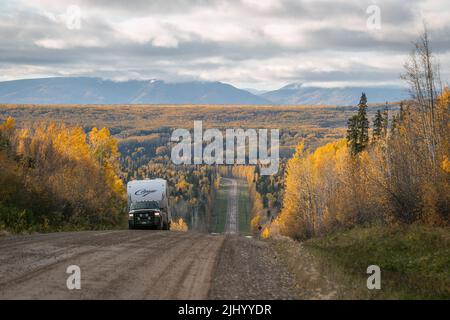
{"points": [[86, 90], [299, 94]]}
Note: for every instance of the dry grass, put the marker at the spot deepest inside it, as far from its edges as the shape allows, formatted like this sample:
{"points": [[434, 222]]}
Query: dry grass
{"points": [[414, 263]]}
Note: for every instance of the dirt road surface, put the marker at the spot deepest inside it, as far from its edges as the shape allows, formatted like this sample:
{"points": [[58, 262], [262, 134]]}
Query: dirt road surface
{"points": [[139, 264], [249, 269]]}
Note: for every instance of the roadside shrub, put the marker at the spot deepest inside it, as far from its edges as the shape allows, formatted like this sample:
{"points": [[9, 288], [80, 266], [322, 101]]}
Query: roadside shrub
{"points": [[179, 225]]}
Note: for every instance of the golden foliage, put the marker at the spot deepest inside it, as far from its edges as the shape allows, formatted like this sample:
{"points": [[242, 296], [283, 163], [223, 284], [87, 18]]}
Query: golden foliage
{"points": [[393, 181], [66, 178], [182, 185], [311, 180], [266, 233], [179, 225], [255, 222], [9, 126]]}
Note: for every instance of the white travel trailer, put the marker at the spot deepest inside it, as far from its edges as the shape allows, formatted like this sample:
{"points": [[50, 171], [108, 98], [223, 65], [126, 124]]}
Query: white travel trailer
{"points": [[148, 204]]}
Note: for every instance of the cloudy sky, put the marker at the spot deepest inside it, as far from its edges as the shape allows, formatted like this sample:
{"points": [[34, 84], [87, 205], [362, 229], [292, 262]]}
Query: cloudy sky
{"points": [[262, 44]]}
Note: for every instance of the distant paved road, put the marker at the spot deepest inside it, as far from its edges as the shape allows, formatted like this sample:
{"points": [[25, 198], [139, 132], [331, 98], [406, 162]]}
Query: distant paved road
{"points": [[231, 223]]}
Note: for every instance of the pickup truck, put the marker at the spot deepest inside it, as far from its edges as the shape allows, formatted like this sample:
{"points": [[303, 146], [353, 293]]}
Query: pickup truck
{"points": [[148, 205]]}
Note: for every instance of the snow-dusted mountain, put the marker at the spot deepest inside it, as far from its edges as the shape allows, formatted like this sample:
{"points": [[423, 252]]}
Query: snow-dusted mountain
{"points": [[299, 94], [85, 90]]}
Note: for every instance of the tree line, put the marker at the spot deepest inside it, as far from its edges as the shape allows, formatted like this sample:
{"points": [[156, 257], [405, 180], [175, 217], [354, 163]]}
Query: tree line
{"points": [[55, 177], [396, 172]]}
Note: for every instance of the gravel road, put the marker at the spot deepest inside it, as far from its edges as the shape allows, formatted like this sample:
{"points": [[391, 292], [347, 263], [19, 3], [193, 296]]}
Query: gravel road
{"points": [[138, 264], [249, 269], [144, 264]]}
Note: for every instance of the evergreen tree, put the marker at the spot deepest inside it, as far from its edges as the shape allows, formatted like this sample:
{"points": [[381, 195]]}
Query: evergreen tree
{"points": [[377, 126], [358, 128], [352, 134], [363, 123], [397, 119], [385, 120]]}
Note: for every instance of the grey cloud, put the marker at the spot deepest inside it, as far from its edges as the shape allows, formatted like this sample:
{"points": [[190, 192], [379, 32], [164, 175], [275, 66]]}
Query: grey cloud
{"points": [[145, 7], [360, 73], [119, 56]]}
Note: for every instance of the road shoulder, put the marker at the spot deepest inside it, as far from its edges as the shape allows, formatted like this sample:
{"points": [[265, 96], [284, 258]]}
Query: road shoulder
{"points": [[311, 277], [250, 269]]}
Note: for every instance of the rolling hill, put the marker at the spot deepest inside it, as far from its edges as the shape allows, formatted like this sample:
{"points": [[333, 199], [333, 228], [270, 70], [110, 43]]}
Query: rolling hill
{"points": [[85, 90]]}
